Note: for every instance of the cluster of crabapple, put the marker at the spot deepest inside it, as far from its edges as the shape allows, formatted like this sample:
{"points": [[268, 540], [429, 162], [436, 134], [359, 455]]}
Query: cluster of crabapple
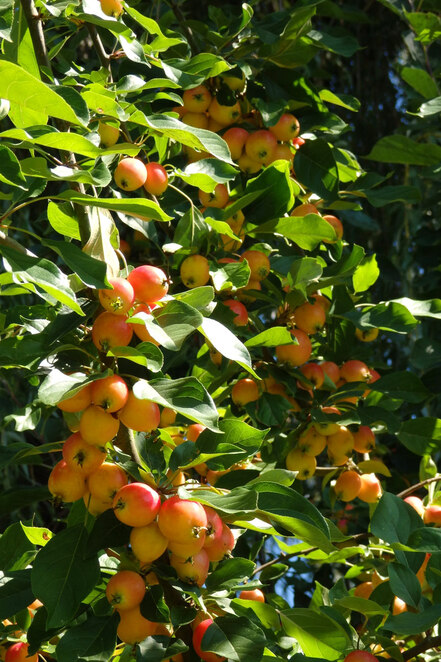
{"points": [[18, 650]]}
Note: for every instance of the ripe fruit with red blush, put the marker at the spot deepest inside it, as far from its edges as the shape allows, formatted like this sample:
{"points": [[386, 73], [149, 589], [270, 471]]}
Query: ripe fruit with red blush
{"points": [[110, 393], [256, 595], [224, 115], [244, 391], [236, 138], [295, 355], [19, 653], [347, 485], [432, 514], [140, 415], [241, 313], [260, 146], [298, 142], [198, 635], [327, 428], [130, 174], [186, 550], [323, 301], [111, 330], [80, 456], [310, 317], [222, 546], [214, 528], [182, 520], [355, 371], [217, 198], [194, 430], [193, 570], [147, 542], [105, 482], [364, 590], [96, 506], [416, 504], [282, 153], [195, 271], [360, 656], [157, 179], [331, 370], [77, 402], [364, 439], [136, 504], [125, 590], [370, 490], [149, 283], [168, 417], [198, 120], [287, 128], [340, 444], [304, 209], [258, 262], [197, 99], [118, 300], [97, 427], [314, 373], [304, 464], [247, 165], [338, 228], [65, 483], [140, 330]]}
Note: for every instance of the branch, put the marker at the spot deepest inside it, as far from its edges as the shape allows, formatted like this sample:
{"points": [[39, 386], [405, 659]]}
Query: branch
{"points": [[98, 44], [36, 31], [416, 487], [429, 642], [183, 24]]}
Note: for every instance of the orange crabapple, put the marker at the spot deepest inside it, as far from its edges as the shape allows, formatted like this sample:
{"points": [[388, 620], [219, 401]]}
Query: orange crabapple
{"points": [[105, 482], [125, 590], [213, 534], [195, 271], [130, 174], [140, 330], [311, 442], [197, 99], [224, 115], [198, 635], [197, 120], [256, 594], [282, 153], [432, 514], [182, 520], [140, 415], [331, 370], [157, 178], [110, 330], [110, 393], [310, 317], [287, 128], [147, 542], [416, 504], [258, 263], [222, 546], [236, 137], [167, 418], [248, 165], [370, 490], [364, 439], [295, 355], [133, 627], [111, 7], [338, 228], [109, 135], [360, 656], [304, 209], [322, 300], [194, 430], [314, 373], [367, 335], [97, 427], [347, 485], [136, 504], [354, 371], [18, 652], [118, 300], [149, 283], [241, 313], [217, 198], [65, 483], [193, 570], [80, 456], [304, 464], [244, 391], [260, 146]]}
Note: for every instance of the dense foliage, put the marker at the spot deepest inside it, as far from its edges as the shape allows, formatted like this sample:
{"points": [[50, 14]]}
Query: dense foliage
{"points": [[219, 371]]}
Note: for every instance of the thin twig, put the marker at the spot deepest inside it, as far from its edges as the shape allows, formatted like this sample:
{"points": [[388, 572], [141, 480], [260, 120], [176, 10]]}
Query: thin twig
{"points": [[183, 24], [98, 44], [416, 487], [427, 644]]}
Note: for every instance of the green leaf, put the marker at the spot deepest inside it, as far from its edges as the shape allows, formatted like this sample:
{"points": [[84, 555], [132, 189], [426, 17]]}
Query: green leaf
{"points": [[37, 167], [316, 168], [207, 173], [401, 149], [402, 385], [230, 276], [107, 531], [198, 297], [426, 539], [201, 139], [95, 639], [367, 607], [390, 316], [63, 220], [307, 231], [10, 170], [421, 435], [269, 195], [345, 45], [426, 25], [16, 550], [158, 648], [420, 80], [226, 343], [100, 244], [24, 91], [64, 574], [32, 270], [394, 520], [15, 592], [90, 270], [229, 574], [432, 107], [318, 634], [236, 638], [380, 197], [408, 623], [429, 308], [238, 442], [141, 208], [276, 335], [343, 100], [171, 324], [146, 354], [57, 386], [366, 274], [404, 584], [185, 395]]}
